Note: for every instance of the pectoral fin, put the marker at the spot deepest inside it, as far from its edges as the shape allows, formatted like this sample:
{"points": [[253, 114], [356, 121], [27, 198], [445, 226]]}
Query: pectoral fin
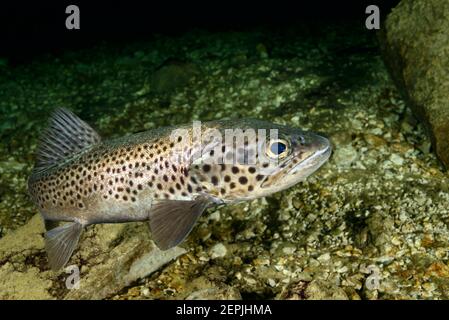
{"points": [[172, 220], [60, 243]]}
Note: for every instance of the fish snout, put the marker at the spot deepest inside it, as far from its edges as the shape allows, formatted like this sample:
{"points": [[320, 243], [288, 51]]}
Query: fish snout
{"points": [[321, 145]]}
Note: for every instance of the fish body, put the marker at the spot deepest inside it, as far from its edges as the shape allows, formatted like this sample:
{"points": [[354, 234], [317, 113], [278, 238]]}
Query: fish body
{"points": [[166, 176]]}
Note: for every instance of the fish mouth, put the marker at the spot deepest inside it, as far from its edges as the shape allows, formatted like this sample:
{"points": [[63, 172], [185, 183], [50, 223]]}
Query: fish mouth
{"points": [[314, 161]]}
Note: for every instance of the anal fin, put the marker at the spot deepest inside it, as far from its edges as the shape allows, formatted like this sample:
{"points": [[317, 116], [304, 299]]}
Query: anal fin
{"points": [[171, 221], [61, 242]]}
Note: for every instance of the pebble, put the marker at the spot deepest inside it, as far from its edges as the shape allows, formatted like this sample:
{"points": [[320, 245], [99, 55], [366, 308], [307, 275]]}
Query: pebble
{"points": [[324, 257], [397, 159], [218, 251], [271, 282], [344, 156]]}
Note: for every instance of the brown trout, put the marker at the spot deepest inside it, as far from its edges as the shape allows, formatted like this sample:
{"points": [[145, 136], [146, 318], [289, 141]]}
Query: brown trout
{"points": [[166, 176]]}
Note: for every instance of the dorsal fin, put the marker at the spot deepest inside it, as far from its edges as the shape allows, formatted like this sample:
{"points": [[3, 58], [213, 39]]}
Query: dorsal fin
{"points": [[66, 135]]}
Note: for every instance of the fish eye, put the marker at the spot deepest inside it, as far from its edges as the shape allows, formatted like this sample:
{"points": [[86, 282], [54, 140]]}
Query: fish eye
{"points": [[278, 149]]}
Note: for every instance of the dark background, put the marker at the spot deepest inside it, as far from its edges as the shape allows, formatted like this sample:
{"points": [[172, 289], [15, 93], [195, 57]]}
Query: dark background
{"points": [[29, 29]]}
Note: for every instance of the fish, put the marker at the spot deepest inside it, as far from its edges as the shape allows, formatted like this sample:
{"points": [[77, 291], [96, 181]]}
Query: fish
{"points": [[167, 176]]}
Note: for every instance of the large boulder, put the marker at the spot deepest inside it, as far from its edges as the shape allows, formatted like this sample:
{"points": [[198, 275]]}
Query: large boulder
{"points": [[415, 45]]}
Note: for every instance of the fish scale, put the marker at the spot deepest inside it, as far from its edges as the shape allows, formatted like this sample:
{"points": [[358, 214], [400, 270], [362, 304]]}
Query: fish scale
{"points": [[156, 176]]}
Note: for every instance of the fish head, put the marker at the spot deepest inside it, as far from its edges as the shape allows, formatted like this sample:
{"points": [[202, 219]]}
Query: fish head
{"points": [[257, 158], [291, 158]]}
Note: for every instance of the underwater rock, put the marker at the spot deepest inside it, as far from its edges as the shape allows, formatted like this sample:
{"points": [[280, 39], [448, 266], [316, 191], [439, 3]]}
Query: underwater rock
{"points": [[222, 293], [111, 257], [173, 74], [321, 290], [314, 290], [346, 155], [415, 46], [17, 279], [128, 255], [218, 251]]}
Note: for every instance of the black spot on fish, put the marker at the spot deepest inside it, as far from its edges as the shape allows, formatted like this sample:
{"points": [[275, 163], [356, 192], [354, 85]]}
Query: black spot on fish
{"points": [[243, 180]]}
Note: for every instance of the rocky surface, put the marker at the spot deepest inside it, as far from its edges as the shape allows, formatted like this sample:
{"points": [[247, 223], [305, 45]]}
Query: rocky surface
{"points": [[111, 257], [372, 223], [415, 43], [224, 293]]}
